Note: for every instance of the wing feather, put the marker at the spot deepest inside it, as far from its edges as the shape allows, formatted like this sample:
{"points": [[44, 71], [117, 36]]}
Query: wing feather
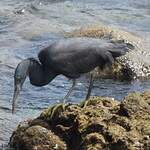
{"points": [[72, 57]]}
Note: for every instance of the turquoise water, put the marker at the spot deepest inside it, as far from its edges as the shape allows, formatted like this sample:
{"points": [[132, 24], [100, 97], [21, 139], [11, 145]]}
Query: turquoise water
{"points": [[27, 26]]}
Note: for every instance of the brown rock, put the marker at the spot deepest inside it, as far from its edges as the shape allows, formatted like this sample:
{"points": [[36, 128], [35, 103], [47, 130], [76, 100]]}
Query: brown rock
{"points": [[100, 123], [37, 138]]}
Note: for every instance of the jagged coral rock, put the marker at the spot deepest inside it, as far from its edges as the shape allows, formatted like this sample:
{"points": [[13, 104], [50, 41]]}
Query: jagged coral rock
{"points": [[101, 123], [36, 138]]}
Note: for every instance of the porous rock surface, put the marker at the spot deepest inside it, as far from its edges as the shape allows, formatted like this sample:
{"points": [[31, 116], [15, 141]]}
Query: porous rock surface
{"points": [[101, 123]]}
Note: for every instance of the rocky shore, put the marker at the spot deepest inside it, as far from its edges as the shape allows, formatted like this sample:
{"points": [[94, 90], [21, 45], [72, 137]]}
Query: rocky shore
{"points": [[101, 123]]}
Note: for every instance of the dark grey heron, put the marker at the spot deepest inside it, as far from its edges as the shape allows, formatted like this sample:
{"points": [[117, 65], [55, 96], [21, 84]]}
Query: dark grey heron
{"points": [[69, 57]]}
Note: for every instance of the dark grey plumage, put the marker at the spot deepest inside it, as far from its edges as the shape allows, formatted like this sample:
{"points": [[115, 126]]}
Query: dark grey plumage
{"points": [[69, 57], [73, 57]]}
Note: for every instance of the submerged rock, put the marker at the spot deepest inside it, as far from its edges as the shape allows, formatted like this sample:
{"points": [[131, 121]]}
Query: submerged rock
{"points": [[135, 64], [101, 123]]}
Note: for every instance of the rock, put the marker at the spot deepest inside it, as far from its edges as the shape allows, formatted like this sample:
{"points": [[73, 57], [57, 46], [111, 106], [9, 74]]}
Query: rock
{"points": [[136, 104], [36, 138], [101, 123]]}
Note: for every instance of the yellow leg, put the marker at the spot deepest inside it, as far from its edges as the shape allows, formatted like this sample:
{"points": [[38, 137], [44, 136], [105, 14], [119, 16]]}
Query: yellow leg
{"points": [[56, 110]]}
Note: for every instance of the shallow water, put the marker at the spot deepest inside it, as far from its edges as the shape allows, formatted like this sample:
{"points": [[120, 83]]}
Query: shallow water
{"points": [[27, 26]]}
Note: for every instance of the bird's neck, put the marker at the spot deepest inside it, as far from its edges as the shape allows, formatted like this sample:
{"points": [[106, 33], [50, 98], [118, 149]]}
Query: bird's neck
{"points": [[39, 75]]}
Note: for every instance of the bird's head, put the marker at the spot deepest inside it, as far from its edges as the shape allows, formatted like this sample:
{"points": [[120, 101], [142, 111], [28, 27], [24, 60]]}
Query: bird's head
{"points": [[20, 75]]}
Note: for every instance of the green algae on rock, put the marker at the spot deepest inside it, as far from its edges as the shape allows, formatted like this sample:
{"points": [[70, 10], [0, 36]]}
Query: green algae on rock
{"points": [[102, 124]]}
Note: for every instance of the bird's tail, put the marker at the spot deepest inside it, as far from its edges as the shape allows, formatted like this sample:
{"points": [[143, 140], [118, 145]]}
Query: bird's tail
{"points": [[120, 48]]}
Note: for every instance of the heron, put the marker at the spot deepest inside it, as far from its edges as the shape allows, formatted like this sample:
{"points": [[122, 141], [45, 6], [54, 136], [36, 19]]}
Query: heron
{"points": [[70, 57]]}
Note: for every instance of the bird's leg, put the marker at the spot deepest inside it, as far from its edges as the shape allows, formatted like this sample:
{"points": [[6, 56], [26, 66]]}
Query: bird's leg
{"points": [[89, 90], [90, 87], [70, 90], [61, 107]]}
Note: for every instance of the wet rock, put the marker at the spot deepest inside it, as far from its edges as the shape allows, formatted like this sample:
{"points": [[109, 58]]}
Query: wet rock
{"points": [[136, 104], [135, 64], [93, 141], [103, 31], [101, 123], [36, 138]]}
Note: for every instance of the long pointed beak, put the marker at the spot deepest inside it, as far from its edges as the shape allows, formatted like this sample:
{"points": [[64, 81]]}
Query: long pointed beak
{"points": [[15, 96]]}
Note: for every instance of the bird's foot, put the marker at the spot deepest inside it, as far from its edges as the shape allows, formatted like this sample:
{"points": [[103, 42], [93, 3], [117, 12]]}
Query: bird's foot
{"points": [[57, 109], [84, 103]]}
